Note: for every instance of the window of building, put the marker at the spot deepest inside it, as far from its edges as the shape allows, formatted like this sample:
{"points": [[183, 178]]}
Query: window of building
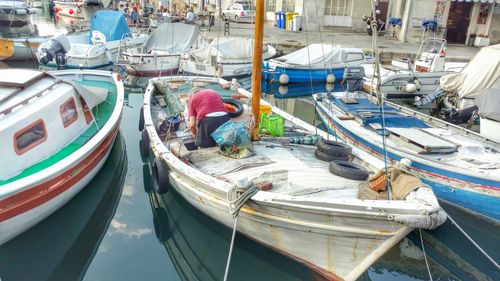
{"points": [[271, 5], [29, 137], [338, 7], [288, 5], [68, 111]]}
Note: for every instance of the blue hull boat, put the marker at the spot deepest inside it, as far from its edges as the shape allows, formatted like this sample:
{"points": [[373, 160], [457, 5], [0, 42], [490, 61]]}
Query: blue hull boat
{"points": [[461, 166]]}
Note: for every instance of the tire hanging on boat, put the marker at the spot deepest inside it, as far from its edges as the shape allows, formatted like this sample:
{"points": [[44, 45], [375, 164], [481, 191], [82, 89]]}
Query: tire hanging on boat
{"points": [[160, 176], [141, 119], [348, 170], [333, 148], [236, 104], [328, 157], [144, 144]]}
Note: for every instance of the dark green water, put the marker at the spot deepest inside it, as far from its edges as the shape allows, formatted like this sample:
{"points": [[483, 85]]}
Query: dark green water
{"points": [[118, 229]]}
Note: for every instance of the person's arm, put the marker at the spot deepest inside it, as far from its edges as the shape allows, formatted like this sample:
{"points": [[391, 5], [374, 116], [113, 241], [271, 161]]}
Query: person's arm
{"points": [[192, 125]]}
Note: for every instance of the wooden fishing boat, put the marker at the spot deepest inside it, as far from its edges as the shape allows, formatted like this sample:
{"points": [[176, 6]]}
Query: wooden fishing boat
{"points": [[462, 167], [78, 10], [310, 214], [20, 48], [56, 130]]}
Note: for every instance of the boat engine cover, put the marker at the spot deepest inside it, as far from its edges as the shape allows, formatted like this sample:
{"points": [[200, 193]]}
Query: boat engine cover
{"points": [[353, 76], [56, 48]]}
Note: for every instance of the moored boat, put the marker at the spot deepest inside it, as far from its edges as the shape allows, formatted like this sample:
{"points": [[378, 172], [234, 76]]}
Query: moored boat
{"points": [[57, 129], [316, 62], [20, 48], [97, 49], [78, 10], [306, 199], [461, 166], [15, 17], [161, 53], [224, 57]]}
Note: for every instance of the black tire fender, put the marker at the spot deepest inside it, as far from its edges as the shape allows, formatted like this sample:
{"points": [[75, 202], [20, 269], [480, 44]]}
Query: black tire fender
{"points": [[160, 176], [334, 147], [141, 119], [144, 144], [237, 104], [327, 157], [348, 170]]}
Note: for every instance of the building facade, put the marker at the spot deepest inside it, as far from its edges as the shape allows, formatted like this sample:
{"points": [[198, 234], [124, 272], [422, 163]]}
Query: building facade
{"points": [[460, 22]]}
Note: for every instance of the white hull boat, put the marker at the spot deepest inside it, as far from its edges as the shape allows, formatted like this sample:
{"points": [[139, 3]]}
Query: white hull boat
{"points": [[225, 57], [309, 215], [410, 79], [57, 130], [20, 48], [160, 54], [15, 17], [109, 35]]}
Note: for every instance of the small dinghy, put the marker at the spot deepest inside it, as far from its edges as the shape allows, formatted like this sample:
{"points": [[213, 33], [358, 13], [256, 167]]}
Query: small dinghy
{"points": [[161, 53], [305, 202], [316, 62], [224, 57], [56, 131], [98, 49]]}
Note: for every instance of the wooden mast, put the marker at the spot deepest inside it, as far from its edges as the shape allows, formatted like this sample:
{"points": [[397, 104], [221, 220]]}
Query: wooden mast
{"points": [[257, 64]]}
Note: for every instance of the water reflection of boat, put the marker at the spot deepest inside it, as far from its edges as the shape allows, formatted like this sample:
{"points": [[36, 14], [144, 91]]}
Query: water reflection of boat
{"points": [[62, 246], [449, 247], [198, 246]]}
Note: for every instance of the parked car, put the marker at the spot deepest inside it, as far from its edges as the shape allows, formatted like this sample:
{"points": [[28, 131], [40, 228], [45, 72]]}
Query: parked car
{"points": [[239, 12]]}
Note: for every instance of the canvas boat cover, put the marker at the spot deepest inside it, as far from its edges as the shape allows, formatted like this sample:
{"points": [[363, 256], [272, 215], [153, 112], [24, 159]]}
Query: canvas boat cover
{"points": [[489, 104], [479, 74], [225, 50], [321, 56], [110, 23], [172, 37]]}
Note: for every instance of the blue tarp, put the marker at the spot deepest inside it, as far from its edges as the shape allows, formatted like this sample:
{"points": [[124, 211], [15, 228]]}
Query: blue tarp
{"points": [[111, 23]]}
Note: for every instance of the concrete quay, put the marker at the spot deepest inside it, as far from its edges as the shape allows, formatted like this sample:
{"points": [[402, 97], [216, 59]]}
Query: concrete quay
{"points": [[288, 41]]}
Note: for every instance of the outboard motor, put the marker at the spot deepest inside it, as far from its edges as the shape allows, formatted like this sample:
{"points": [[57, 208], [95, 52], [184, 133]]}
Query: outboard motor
{"points": [[353, 77], [56, 48]]}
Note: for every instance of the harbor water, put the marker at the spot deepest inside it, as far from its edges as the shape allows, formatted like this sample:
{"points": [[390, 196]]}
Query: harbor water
{"points": [[117, 228]]}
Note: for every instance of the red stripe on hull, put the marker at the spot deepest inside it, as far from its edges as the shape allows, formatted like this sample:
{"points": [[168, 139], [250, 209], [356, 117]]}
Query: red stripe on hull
{"points": [[42, 193]]}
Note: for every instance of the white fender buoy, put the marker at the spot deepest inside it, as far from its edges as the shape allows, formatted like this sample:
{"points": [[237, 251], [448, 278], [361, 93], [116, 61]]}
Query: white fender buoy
{"points": [[410, 88], [284, 78], [283, 90], [329, 87], [330, 78]]}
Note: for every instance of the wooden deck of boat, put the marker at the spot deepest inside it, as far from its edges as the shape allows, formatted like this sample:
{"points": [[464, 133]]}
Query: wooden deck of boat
{"points": [[293, 169]]}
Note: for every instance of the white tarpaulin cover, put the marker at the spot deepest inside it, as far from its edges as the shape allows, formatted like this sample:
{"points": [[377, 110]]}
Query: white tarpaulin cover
{"points": [[226, 50], [322, 55], [172, 37], [479, 74], [489, 104]]}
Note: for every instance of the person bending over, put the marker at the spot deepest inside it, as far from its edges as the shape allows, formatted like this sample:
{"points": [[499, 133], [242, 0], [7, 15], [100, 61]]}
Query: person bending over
{"points": [[206, 113]]}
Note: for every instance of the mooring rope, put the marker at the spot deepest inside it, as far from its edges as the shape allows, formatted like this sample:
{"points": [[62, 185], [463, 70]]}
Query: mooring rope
{"points": [[237, 196], [473, 242], [425, 255]]}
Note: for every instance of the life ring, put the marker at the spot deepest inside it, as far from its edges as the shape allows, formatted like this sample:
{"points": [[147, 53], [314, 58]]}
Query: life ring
{"points": [[334, 147], [160, 176], [328, 157], [234, 107], [144, 144], [141, 119], [348, 170]]}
